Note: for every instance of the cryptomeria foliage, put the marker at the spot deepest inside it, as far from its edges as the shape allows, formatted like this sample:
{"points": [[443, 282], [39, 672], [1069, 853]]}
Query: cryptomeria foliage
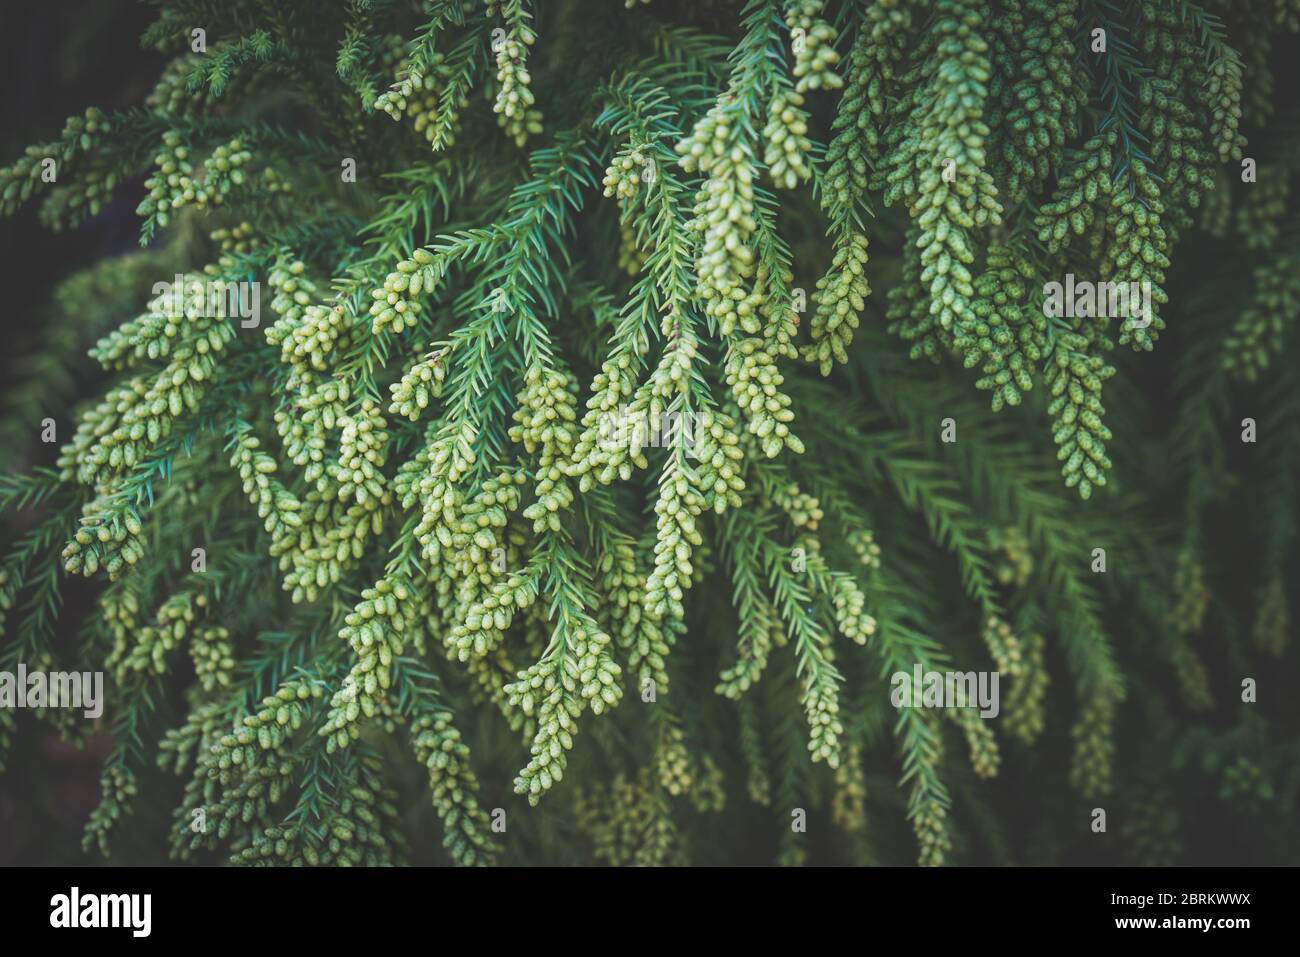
{"points": [[482, 233]]}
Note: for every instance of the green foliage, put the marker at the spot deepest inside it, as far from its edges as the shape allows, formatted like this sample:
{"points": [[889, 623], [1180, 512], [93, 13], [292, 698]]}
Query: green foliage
{"points": [[553, 493]]}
